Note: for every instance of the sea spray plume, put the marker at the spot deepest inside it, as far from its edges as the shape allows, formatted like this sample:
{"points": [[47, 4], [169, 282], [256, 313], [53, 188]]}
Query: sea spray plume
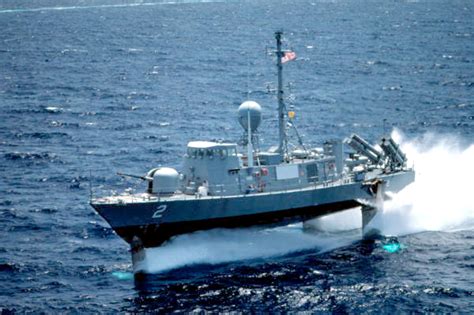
{"points": [[226, 245], [441, 196], [340, 221]]}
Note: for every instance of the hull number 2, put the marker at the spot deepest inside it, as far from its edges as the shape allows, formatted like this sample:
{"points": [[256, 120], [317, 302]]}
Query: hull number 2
{"points": [[159, 211]]}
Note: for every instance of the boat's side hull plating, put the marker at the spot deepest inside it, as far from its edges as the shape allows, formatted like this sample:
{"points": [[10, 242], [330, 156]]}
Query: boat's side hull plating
{"points": [[154, 222]]}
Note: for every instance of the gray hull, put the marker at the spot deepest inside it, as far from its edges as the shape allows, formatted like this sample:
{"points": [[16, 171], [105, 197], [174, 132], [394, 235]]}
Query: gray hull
{"points": [[155, 221]]}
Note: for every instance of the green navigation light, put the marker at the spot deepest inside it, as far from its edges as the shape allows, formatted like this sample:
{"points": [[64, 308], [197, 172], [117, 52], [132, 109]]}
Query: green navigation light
{"points": [[392, 247], [122, 275]]}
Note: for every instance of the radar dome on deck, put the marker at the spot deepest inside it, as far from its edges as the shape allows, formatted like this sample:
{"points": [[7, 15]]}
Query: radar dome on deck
{"points": [[254, 110]]}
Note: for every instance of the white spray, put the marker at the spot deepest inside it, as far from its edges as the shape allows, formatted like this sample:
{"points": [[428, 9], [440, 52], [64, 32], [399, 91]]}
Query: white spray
{"points": [[225, 245], [441, 198]]}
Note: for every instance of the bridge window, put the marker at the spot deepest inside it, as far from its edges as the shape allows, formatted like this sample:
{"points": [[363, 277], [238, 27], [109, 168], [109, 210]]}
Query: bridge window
{"points": [[200, 153], [211, 152], [192, 153]]}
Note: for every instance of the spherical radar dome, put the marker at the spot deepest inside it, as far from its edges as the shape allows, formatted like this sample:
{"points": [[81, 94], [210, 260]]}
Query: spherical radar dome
{"points": [[254, 110]]}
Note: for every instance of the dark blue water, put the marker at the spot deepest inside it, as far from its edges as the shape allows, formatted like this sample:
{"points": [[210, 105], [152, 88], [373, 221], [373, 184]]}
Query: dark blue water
{"points": [[89, 88]]}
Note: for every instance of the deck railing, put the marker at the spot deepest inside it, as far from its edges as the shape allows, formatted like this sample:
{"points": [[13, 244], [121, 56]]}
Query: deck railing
{"points": [[132, 194]]}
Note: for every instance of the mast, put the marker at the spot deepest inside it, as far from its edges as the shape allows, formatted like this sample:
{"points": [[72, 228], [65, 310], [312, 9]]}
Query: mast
{"points": [[249, 141], [281, 104]]}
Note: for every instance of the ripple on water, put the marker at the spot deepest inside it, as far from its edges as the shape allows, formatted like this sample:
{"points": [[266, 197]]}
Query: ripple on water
{"points": [[32, 156]]}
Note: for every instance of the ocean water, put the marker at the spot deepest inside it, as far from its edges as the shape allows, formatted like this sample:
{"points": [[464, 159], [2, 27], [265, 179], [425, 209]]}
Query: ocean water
{"points": [[89, 88]]}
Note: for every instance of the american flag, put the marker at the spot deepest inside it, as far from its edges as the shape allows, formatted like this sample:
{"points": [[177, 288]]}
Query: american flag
{"points": [[288, 56]]}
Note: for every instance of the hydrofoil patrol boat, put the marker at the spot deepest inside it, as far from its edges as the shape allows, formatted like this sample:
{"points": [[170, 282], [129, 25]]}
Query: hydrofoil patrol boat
{"points": [[221, 187]]}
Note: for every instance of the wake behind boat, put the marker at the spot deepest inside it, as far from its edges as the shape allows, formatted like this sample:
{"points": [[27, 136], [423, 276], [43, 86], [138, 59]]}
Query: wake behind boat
{"points": [[220, 185]]}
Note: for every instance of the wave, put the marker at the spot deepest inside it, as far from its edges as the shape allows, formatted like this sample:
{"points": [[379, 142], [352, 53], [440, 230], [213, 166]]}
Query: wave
{"points": [[30, 156], [9, 267], [42, 135], [105, 6]]}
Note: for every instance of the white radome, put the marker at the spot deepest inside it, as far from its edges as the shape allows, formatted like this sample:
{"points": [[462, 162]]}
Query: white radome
{"points": [[254, 110]]}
